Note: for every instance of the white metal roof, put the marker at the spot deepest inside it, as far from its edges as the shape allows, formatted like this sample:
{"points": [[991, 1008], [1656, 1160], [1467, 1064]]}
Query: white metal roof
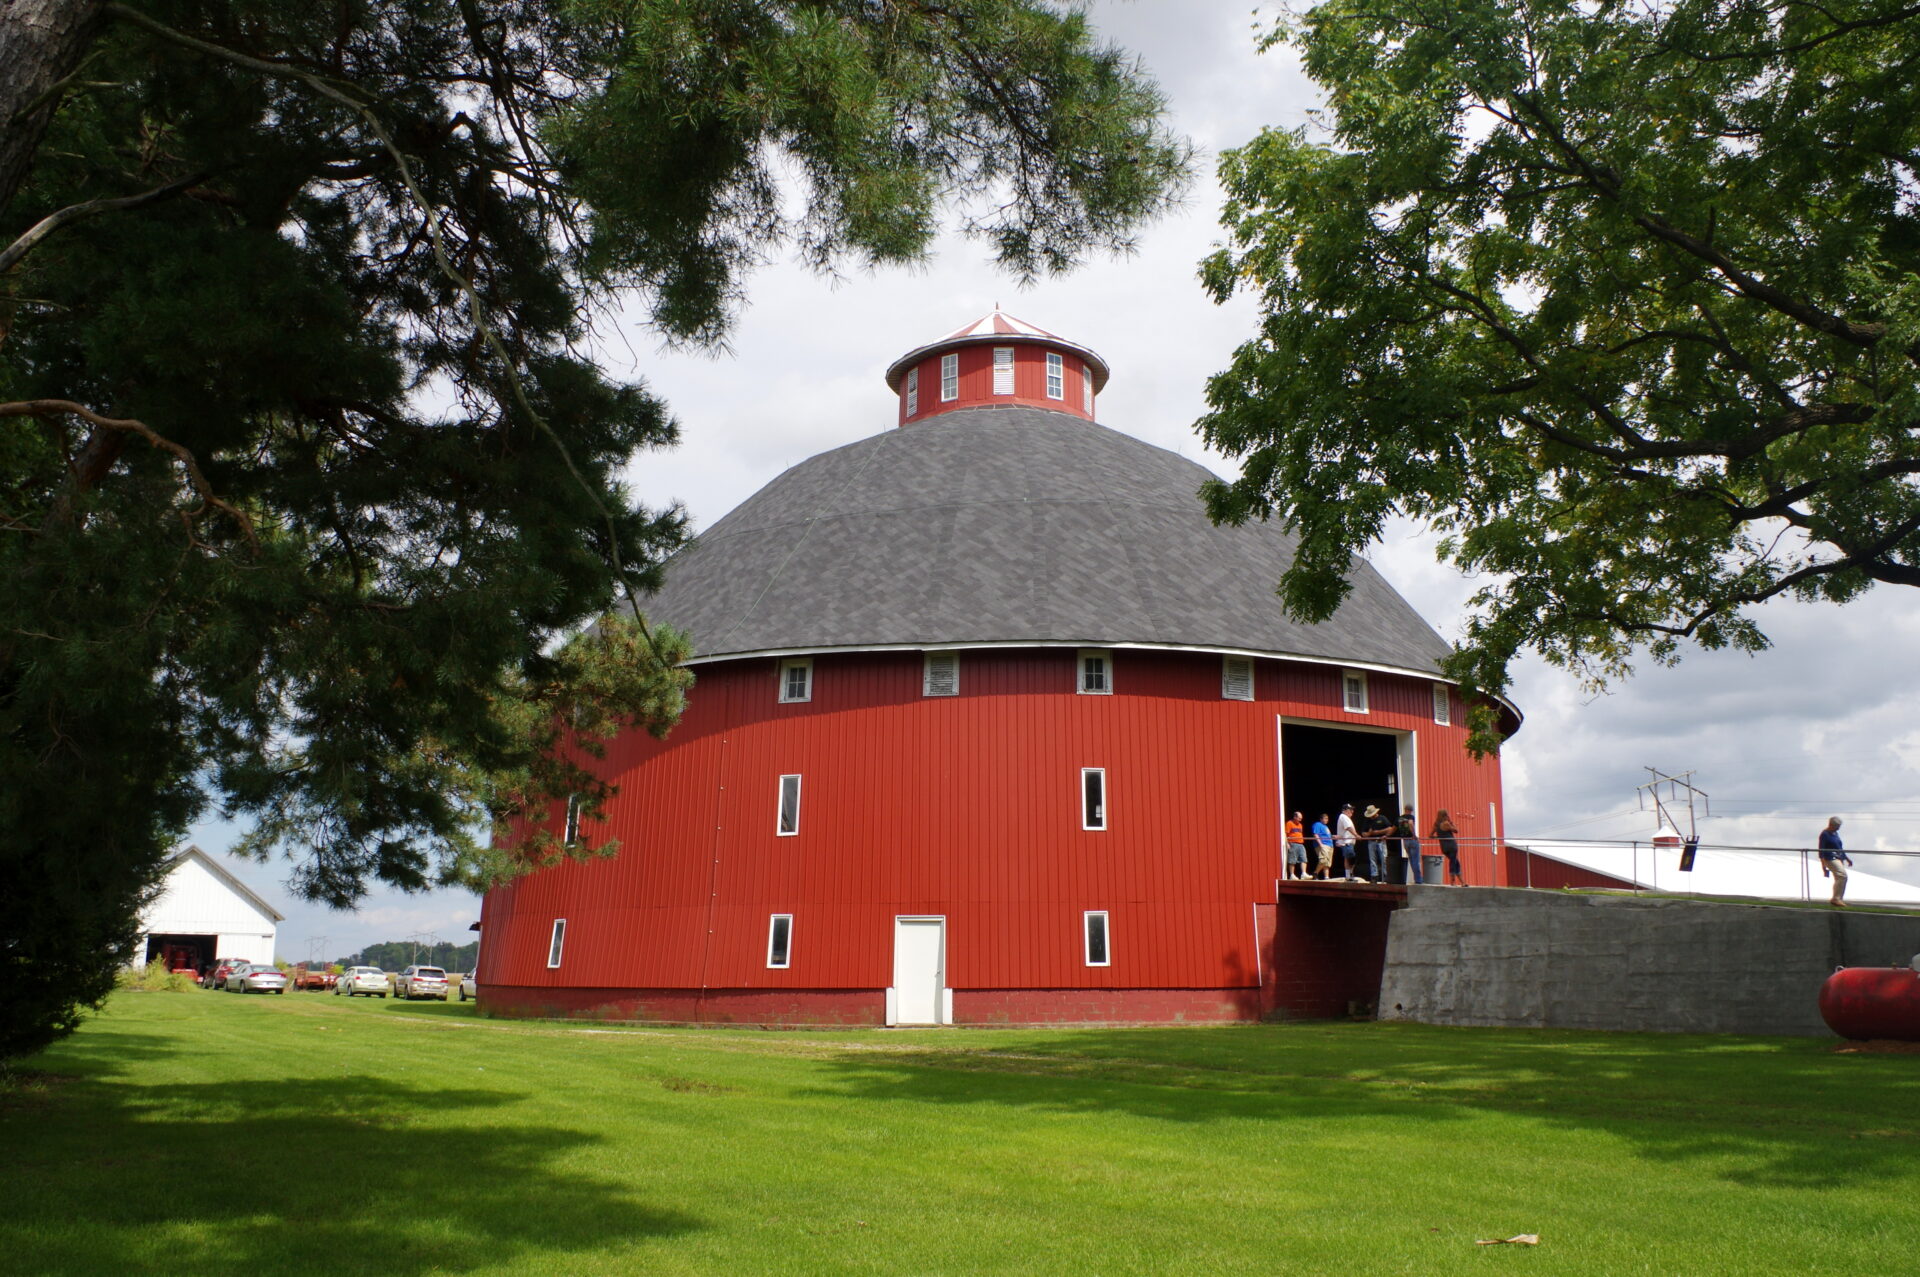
{"points": [[1769, 875]]}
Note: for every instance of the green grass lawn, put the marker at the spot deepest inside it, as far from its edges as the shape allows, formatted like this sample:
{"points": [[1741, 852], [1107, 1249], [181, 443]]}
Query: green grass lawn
{"points": [[204, 1133]]}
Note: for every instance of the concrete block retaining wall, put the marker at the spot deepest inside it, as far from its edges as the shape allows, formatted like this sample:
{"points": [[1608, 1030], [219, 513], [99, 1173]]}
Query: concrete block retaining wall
{"points": [[1545, 959]]}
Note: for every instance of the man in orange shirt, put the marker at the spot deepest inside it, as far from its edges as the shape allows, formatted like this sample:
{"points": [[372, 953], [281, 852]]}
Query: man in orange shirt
{"points": [[1296, 847]]}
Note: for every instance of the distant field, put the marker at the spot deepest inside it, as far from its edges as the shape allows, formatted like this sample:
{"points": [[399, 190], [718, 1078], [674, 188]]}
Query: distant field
{"points": [[205, 1133]]}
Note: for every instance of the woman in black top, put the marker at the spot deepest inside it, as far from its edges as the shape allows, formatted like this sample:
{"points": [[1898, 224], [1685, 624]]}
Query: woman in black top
{"points": [[1448, 834]]}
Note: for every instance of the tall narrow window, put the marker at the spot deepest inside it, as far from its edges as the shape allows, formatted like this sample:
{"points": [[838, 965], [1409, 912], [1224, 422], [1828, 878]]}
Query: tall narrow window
{"points": [[1442, 705], [1236, 678], [573, 819], [1086, 388], [1003, 370], [1056, 376], [913, 391], [779, 939], [789, 806], [1096, 671], [949, 377], [1096, 926], [941, 676], [1354, 691], [554, 945], [796, 680], [1093, 798]]}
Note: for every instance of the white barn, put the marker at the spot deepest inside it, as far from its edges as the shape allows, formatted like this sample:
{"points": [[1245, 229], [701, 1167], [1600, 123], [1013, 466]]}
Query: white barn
{"points": [[202, 913]]}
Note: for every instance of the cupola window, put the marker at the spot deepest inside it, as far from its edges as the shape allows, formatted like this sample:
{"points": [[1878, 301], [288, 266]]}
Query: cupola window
{"points": [[949, 378], [1003, 370], [1056, 376], [913, 391], [1086, 388]]}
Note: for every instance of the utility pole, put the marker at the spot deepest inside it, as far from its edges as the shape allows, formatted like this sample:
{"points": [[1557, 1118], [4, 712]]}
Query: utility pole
{"points": [[1675, 787]]}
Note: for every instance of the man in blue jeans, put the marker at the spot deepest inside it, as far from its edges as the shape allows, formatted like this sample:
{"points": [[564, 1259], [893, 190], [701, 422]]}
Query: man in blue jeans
{"points": [[1834, 860]]}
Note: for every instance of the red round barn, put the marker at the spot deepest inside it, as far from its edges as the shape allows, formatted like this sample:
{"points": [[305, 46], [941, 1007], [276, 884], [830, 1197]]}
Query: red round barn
{"points": [[991, 724]]}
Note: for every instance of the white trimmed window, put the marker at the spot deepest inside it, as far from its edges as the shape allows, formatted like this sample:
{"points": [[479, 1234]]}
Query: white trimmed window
{"points": [[1353, 691], [913, 391], [1093, 798], [949, 377], [780, 941], [1056, 376], [796, 679], [573, 819], [1442, 705], [1096, 671], [1095, 927], [941, 674], [558, 941], [789, 820], [1003, 370], [1236, 678], [1086, 388]]}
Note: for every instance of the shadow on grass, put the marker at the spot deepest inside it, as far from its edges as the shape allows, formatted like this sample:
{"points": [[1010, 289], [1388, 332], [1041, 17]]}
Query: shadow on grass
{"points": [[1775, 1111], [346, 1175]]}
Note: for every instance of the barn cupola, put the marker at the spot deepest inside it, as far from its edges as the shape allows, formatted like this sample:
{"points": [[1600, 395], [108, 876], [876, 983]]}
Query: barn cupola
{"points": [[996, 361]]}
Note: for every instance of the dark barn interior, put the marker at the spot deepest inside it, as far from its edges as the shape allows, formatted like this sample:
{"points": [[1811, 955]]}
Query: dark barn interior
{"points": [[1324, 767]]}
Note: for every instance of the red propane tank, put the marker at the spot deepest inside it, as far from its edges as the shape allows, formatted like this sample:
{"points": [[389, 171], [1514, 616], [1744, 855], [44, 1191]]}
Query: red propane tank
{"points": [[1872, 1002]]}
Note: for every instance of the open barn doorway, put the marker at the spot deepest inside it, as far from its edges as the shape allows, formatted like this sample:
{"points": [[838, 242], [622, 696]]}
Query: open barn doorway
{"points": [[1322, 768]]}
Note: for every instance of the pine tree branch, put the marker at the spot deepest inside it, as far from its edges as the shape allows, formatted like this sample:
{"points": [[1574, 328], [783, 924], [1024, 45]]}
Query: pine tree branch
{"points": [[188, 462], [80, 212]]}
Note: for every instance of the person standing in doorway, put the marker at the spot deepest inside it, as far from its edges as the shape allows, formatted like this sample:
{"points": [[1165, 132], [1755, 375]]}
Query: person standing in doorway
{"points": [[1375, 836], [1345, 834], [1323, 847], [1448, 835], [1834, 860], [1408, 832], [1296, 847]]}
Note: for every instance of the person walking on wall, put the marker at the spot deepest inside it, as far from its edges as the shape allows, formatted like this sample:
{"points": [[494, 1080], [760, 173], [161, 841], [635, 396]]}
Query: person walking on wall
{"points": [[1323, 847], [1408, 832], [1344, 836], [1448, 835], [1834, 860], [1375, 835], [1296, 848]]}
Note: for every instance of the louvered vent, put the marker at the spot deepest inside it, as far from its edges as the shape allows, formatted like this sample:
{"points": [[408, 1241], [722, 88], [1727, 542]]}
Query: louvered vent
{"points": [[1003, 370], [942, 674], [1236, 678]]}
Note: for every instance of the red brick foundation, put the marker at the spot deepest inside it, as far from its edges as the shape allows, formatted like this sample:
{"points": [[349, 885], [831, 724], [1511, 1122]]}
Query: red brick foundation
{"points": [[1329, 951], [691, 1006], [1104, 1006]]}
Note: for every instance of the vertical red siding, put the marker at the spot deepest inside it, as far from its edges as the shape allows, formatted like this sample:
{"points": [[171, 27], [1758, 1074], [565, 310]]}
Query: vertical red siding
{"points": [[965, 807]]}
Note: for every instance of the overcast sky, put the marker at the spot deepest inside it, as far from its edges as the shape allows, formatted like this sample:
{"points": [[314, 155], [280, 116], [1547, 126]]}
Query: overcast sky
{"points": [[1827, 722]]}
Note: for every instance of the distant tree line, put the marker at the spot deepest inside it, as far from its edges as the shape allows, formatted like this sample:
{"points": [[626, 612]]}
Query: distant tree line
{"points": [[395, 955]]}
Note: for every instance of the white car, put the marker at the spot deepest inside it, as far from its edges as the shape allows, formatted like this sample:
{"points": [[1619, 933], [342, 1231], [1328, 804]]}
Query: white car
{"points": [[421, 982], [470, 985], [257, 977], [355, 981]]}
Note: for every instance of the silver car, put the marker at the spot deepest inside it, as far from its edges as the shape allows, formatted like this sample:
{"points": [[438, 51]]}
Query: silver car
{"points": [[421, 982], [257, 977], [355, 981]]}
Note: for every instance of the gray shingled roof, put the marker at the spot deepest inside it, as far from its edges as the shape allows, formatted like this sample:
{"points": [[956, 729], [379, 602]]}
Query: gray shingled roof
{"points": [[1008, 525]]}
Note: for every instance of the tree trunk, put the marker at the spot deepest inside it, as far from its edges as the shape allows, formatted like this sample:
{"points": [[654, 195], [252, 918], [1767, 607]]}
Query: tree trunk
{"points": [[41, 42]]}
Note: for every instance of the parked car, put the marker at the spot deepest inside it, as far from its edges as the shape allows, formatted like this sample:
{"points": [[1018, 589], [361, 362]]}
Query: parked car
{"points": [[257, 977], [216, 976], [421, 982], [355, 981], [470, 986]]}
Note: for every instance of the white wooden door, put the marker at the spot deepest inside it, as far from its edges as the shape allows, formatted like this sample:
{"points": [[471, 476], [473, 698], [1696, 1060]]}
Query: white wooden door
{"points": [[919, 969]]}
